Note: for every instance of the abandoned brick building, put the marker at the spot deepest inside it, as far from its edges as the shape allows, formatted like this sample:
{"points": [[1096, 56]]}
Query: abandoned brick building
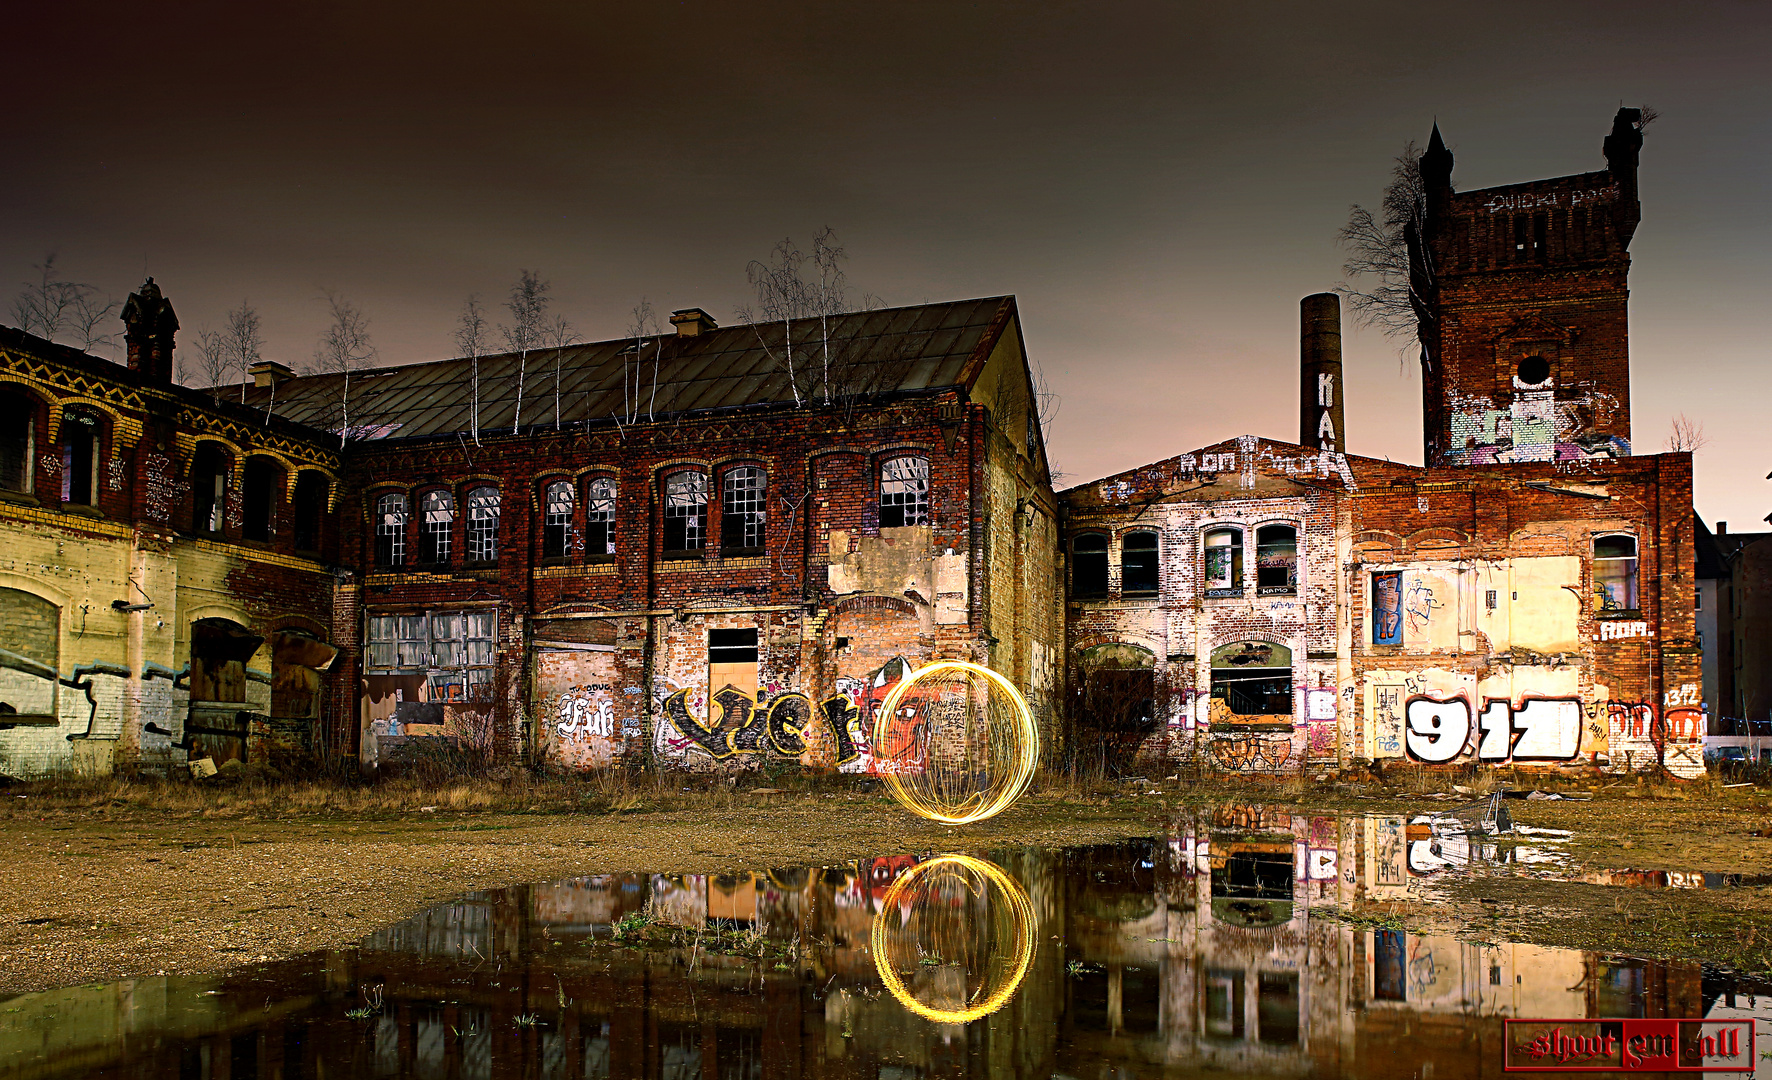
{"points": [[687, 551], [1527, 597], [164, 587]]}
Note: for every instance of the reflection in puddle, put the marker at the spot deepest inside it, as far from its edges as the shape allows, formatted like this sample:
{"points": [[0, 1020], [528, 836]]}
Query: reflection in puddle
{"points": [[1209, 949], [953, 938]]}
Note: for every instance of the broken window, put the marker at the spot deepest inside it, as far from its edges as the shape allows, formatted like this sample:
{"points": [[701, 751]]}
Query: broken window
{"points": [[904, 492], [1252, 678], [1224, 562], [556, 534], [436, 529], [1276, 560], [685, 511], [80, 452], [306, 505], [1089, 565], [209, 487], [455, 650], [483, 524], [258, 497], [743, 509], [18, 430], [390, 530], [600, 517], [1615, 573], [1138, 562]]}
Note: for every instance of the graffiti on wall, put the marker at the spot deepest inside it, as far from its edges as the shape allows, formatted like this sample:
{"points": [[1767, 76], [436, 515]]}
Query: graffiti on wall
{"points": [[1252, 752], [1387, 607], [1540, 729]]}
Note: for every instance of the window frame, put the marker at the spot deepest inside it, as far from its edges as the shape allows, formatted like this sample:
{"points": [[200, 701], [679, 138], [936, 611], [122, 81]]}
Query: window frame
{"points": [[73, 415], [217, 496], [270, 470], [1263, 673], [389, 541], [909, 506], [480, 546], [1156, 563], [1289, 588], [463, 649], [1630, 576], [693, 539], [1079, 589], [605, 517], [744, 524], [559, 531], [436, 546], [1234, 586], [29, 408], [300, 518]]}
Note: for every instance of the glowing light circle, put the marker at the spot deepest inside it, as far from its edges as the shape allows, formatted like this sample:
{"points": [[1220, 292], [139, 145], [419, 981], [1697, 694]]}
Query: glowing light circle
{"points": [[956, 742], [929, 928]]}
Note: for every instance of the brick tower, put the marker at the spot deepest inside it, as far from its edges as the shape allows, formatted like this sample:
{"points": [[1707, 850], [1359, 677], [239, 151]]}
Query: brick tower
{"points": [[1526, 349]]}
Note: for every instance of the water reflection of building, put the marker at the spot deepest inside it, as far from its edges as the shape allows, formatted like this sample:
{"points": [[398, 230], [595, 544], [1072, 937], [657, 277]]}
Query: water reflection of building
{"points": [[1208, 950]]}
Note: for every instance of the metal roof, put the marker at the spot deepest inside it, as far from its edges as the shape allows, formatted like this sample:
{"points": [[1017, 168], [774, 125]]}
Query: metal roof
{"points": [[890, 350]]}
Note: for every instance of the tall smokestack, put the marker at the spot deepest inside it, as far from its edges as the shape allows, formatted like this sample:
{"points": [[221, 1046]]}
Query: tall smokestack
{"points": [[1319, 369]]}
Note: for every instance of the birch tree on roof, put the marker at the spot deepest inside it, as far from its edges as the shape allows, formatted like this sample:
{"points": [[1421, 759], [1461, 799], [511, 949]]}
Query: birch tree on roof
{"points": [[528, 305], [644, 328], [470, 335], [344, 348], [242, 342], [559, 334]]}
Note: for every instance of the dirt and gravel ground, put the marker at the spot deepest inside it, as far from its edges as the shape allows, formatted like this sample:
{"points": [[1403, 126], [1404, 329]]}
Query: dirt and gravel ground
{"points": [[113, 882]]}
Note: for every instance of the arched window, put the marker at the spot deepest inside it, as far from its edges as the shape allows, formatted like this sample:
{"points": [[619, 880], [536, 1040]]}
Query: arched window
{"points": [[390, 530], [209, 487], [685, 511], [1138, 562], [1276, 560], [81, 433], [258, 497], [1252, 678], [306, 505], [436, 528], [600, 516], [33, 638], [556, 528], [743, 509], [18, 433], [1615, 573], [1224, 562], [1089, 565], [904, 492], [483, 524]]}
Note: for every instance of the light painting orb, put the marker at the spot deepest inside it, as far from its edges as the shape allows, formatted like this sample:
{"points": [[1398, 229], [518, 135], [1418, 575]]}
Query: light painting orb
{"points": [[953, 938], [956, 742]]}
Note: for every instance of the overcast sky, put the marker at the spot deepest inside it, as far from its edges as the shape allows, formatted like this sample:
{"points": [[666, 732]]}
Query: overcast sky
{"points": [[1157, 183]]}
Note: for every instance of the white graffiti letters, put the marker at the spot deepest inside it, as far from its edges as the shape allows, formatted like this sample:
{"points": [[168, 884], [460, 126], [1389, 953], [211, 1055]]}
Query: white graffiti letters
{"points": [[1437, 729], [1550, 729]]}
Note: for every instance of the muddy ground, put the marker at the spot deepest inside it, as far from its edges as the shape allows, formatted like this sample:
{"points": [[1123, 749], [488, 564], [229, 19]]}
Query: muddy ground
{"points": [[115, 887]]}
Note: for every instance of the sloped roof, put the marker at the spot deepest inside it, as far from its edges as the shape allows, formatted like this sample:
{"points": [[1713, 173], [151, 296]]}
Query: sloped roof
{"points": [[887, 351]]}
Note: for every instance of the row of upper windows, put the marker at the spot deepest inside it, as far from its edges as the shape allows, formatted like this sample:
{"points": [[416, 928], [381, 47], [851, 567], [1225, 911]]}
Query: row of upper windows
{"points": [[581, 518], [1276, 562]]}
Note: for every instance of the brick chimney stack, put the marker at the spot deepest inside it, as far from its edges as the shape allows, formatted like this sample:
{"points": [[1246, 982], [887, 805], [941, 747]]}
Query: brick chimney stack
{"points": [[1319, 369], [693, 322], [148, 329]]}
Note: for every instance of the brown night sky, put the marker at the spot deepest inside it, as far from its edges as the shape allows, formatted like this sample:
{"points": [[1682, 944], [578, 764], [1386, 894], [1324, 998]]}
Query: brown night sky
{"points": [[1158, 183]]}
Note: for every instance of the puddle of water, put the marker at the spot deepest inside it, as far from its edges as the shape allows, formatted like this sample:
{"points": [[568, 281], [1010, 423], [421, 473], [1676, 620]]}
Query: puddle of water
{"points": [[1210, 948]]}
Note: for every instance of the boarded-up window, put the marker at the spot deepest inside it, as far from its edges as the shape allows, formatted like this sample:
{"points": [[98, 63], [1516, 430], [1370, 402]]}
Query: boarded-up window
{"points": [[600, 516], [743, 509], [1276, 560], [1138, 562], [1224, 562], [297, 658], [732, 662], [904, 492], [390, 530], [18, 429], [1615, 573], [556, 528], [80, 433], [1089, 565], [1253, 678], [30, 651], [436, 527], [219, 651], [483, 511], [685, 511]]}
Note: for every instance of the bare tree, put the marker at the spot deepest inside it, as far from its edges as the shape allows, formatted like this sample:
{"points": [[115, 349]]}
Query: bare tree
{"points": [[242, 342], [828, 294], [1378, 248], [528, 306], [782, 296], [559, 334], [212, 364], [344, 348], [471, 334], [1686, 435], [51, 307], [644, 328]]}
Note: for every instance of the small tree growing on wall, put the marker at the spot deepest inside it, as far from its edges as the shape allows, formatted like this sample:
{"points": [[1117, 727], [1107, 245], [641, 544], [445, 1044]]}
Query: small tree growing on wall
{"points": [[1396, 300]]}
